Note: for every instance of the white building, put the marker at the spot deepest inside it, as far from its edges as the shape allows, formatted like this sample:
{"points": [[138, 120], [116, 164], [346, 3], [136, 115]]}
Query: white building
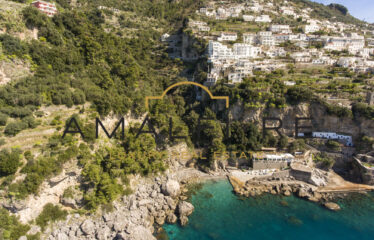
{"points": [[365, 52], [352, 42], [275, 52], [287, 11], [228, 36], [217, 50], [276, 28], [203, 28], [324, 60], [212, 78], [334, 136], [266, 38], [249, 38], [200, 26], [243, 50], [311, 28], [346, 62], [263, 19], [248, 18], [236, 77], [301, 57], [222, 14]]}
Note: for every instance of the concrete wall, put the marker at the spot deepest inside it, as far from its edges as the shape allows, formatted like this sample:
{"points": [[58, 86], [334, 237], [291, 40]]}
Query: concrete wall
{"points": [[301, 175], [239, 162], [282, 174]]}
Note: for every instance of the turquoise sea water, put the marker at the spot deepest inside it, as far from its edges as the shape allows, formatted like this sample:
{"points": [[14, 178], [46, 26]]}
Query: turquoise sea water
{"points": [[219, 214]]}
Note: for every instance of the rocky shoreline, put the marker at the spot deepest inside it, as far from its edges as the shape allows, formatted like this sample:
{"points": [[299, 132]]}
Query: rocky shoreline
{"points": [[162, 199], [288, 187], [138, 216]]}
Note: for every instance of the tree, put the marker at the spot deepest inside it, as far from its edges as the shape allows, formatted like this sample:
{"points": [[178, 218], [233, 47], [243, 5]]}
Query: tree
{"points": [[297, 145], [9, 161], [33, 17], [283, 142], [299, 94], [12, 45], [3, 119], [339, 7], [323, 160]]}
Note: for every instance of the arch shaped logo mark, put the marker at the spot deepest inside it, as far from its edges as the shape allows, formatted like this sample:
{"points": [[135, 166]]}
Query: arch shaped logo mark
{"points": [[147, 98]]}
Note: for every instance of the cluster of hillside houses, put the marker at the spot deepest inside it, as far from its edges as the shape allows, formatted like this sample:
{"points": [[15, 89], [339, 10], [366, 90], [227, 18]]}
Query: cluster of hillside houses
{"points": [[240, 57], [234, 55]]}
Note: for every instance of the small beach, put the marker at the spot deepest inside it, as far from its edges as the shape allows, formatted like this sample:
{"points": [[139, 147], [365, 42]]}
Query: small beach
{"points": [[220, 214]]}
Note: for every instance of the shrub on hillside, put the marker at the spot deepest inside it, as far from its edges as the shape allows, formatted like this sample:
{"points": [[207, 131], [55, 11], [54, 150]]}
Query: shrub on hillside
{"points": [[10, 227], [3, 119], [9, 161], [49, 214], [14, 128]]}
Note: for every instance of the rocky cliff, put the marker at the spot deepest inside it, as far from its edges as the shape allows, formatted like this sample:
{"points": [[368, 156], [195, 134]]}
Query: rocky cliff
{"points": [[321, 120]]}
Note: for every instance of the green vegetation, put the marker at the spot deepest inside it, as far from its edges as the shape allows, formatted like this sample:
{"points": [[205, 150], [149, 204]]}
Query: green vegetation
{"points": [[263, 90], [105, 170], [333, 145], [245, 136], [9, 161], [81, 56], [297, 145], [363, 110], [3, 119], [44, 166], [77, 61], [14, 127], [364, 144], [323, 160], [68, 193], [50, 214], [10, 227]]}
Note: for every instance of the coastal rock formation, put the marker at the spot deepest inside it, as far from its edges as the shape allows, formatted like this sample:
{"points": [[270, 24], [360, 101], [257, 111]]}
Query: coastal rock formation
{"points": [[363, 168], [185, 208], [171, 188], [284, 186], [154, 202], [332, 206]]}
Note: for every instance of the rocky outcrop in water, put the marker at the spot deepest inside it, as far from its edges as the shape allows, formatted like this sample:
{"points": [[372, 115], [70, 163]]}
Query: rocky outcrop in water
{"points": [[171, 188], [332, 206], [184, 209]]}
